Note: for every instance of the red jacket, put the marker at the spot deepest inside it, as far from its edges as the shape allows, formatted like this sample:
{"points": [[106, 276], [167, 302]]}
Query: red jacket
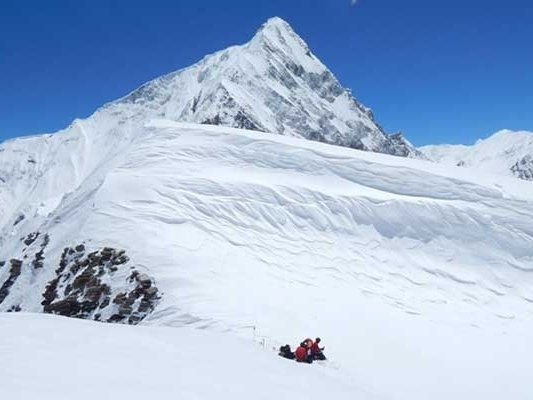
{"points": [[315, 349], [301, 353]]}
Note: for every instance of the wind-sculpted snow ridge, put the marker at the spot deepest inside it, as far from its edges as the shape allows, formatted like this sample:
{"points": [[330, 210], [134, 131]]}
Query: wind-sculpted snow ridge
{"points": [[416, 275], [506, 152]]}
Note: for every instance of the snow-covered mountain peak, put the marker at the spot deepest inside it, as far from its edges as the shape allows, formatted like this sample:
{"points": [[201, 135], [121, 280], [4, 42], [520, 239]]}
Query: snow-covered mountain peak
{"points": [[509, 137], [505, 152], [277, 36], [278, 30], [276, 23], [272, 84]]}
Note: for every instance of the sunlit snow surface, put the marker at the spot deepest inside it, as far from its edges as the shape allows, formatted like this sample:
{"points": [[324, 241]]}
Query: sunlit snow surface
{"points": [[506, 152], [418, 276], [51, 358]]}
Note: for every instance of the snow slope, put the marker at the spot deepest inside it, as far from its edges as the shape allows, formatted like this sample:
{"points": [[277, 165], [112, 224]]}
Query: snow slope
{"points": [[68, 358], [416, 275], [506, 152]]}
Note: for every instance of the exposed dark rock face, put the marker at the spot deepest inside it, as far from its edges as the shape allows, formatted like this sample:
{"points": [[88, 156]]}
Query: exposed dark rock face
{"points": [[523, 169], [212, 121], [19, 219], [39, 256], [137, 303], [397, 145], [14, 272], [81, 288], [243, 121], [32, 237]]}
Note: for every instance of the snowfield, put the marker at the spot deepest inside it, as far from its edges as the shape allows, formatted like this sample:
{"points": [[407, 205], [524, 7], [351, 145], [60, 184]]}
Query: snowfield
{"points": [[418, 276], [68, 358]]}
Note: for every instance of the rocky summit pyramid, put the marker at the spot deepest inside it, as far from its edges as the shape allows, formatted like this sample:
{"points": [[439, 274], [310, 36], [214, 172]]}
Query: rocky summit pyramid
{"points": [[273, 84]]}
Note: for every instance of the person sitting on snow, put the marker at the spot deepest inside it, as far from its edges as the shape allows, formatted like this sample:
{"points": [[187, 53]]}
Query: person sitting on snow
{"points": [[317, 351], [303, 353]]}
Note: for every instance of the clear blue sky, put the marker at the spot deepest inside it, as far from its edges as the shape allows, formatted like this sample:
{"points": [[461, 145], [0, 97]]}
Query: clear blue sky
{"points": [[441, 71]]}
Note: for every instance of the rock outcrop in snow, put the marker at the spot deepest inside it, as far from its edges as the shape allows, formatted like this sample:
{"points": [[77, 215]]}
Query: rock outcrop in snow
{"points": [[523, 168], [84, 288], [506, 152], [85, 284]]}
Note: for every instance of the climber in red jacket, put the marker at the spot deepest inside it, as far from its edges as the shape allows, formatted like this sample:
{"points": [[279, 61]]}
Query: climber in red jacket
{"points": [[303, 353], [317, 351]]}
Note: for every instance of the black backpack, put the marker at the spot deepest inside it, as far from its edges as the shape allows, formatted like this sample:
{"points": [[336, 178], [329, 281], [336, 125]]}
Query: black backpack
{"points": [[285, 352]]}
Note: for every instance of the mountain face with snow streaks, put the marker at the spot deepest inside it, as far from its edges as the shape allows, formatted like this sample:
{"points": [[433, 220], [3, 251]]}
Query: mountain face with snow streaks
{"points": [[275, 84]]}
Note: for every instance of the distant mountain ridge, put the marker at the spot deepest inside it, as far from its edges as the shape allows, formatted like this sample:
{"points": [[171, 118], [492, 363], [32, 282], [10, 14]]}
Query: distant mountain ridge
{"points": [[506, 152]]}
